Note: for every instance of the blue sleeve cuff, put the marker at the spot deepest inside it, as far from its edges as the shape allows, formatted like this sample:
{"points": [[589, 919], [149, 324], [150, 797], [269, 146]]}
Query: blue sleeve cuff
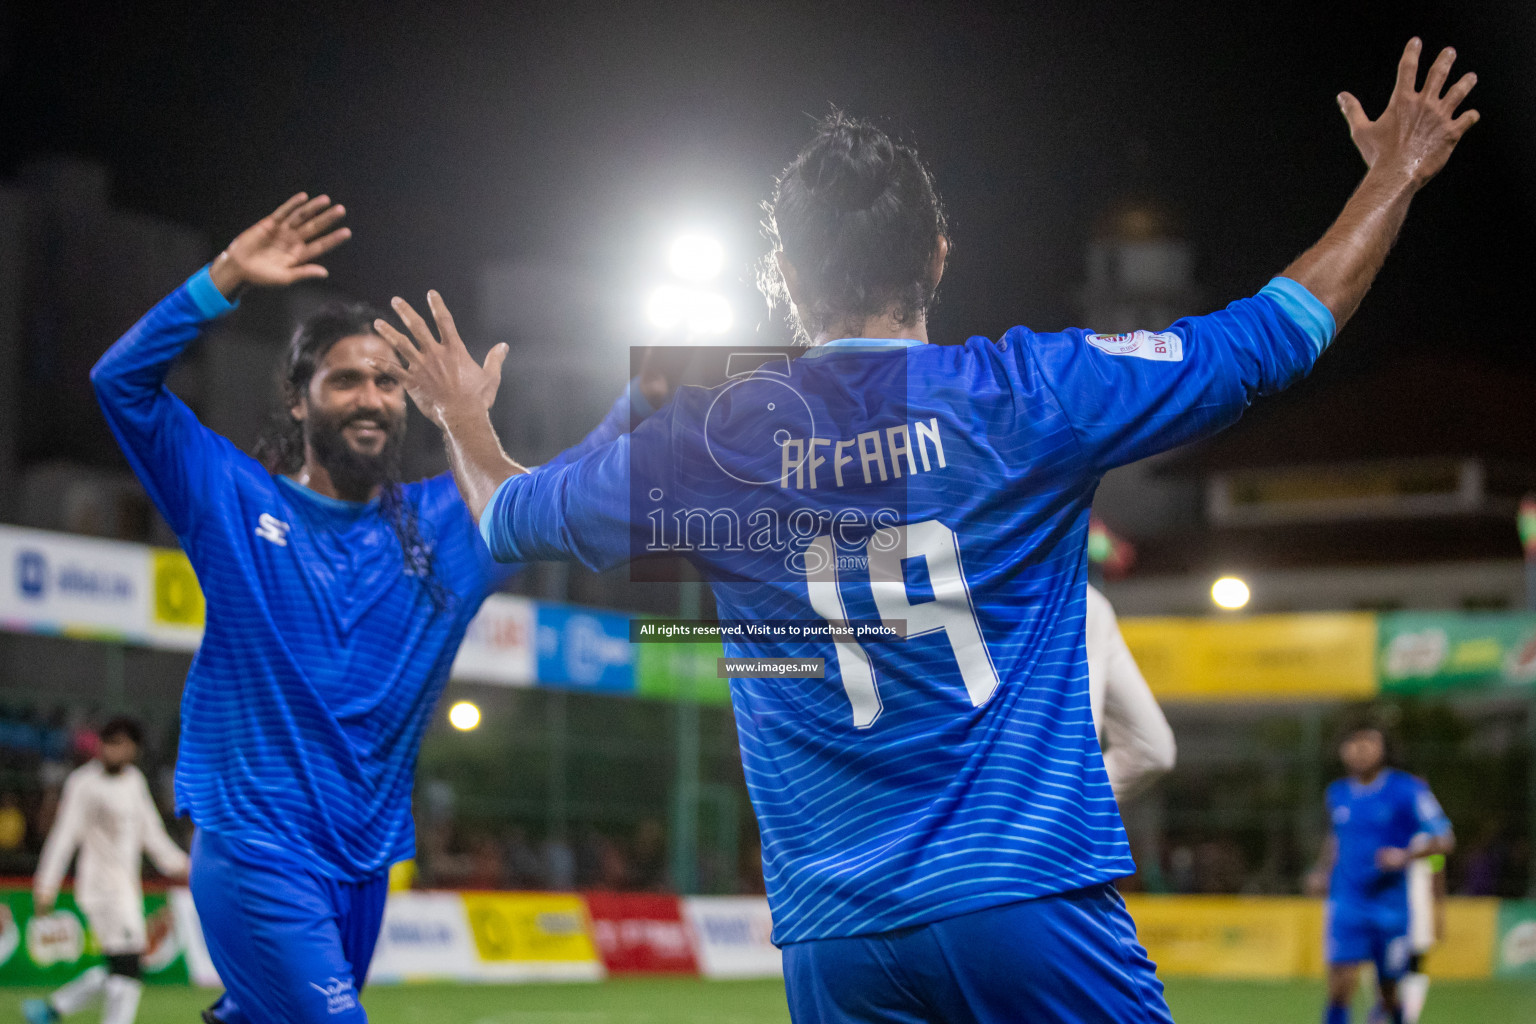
{"points": [[210, 302], [1302, 306], [489, 516], [638, 405]]}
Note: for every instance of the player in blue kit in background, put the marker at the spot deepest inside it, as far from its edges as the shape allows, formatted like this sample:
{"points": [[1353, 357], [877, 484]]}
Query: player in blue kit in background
{"points": [[336, 600], [1382, 820], [939, 832]]}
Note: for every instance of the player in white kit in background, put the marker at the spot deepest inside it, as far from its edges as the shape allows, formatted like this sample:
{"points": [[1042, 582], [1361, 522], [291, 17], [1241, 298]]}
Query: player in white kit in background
{"points": [[1426, 923], [1136, 739], [106, 813]]}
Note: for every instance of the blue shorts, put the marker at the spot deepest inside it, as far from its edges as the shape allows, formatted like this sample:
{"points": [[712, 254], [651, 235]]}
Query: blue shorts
{"points": [[292, 946], [1072, 957], [1356, 934]]}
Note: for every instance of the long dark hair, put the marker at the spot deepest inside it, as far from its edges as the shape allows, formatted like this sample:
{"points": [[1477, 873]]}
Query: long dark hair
{"points": [[857, 215], [281, 445]]}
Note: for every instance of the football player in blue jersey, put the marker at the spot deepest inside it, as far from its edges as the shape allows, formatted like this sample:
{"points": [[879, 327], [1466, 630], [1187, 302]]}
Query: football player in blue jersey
{"points": [[939, 832], [337, 597], [1381, 821]]}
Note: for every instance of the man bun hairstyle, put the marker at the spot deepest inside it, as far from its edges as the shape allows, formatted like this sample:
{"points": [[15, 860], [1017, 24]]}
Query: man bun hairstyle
{"points": [[857, 216]]}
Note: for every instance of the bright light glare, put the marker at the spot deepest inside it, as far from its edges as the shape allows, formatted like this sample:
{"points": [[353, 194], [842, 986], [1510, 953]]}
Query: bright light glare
{"points": [[1229, 592], [699, 312], [464, 716], [696, 258]]}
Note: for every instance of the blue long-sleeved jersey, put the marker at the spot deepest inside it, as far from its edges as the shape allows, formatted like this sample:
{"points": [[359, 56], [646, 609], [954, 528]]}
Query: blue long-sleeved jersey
{"points": [[322, 658], [946, 488]]}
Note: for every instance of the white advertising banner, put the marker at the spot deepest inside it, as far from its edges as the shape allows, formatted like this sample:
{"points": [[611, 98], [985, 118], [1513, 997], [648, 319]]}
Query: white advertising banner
{"points": [[499, 645], [733, 936], [425, 936], [83, 586]]}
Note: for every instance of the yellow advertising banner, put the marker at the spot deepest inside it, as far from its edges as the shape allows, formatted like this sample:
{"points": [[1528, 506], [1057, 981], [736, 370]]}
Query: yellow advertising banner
{"points": [[536, 927], [1228, 936], [1272, 937], [1266, 657], [1466, 946]]}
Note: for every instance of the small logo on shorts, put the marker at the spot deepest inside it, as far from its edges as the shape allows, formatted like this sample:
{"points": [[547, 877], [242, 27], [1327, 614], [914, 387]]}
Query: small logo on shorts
{"points": [[339, 994]]}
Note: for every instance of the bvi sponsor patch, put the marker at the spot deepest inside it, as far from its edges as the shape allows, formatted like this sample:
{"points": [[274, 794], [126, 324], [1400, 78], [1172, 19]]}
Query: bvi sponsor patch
{"points": [[1163, 346]]}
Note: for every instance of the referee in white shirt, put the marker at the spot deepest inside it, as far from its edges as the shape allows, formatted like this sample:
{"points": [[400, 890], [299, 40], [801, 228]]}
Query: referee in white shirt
{"points": [[1135, 737], [106, 813]]}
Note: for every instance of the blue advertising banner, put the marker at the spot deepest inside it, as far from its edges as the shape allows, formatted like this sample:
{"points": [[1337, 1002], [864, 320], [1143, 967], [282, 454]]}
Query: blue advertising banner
{"points": [[584, 649]]}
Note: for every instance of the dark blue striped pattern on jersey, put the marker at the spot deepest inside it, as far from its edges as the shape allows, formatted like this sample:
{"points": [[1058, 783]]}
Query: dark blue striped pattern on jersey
{"points": [[322, 659], [938, 807]]}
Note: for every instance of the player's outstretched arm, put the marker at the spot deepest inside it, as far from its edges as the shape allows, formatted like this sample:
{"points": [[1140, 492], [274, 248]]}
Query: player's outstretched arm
{"points": [[282, 247], [170, 451], [454, 392], [1403, 149], [575, 511]]}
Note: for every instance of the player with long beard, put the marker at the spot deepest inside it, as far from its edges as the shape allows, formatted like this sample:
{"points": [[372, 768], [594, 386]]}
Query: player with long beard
{"points": [[939, 832], [336, 599]]}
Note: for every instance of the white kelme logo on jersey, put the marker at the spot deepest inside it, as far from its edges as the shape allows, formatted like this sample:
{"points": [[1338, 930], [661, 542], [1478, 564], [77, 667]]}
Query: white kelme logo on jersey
{"points": [[269, 527], [339, 994], [1164, 346]]}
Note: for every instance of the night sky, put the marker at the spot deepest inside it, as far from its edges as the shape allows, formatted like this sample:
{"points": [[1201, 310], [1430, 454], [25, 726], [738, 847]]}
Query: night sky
{"points": [[579, 133]]}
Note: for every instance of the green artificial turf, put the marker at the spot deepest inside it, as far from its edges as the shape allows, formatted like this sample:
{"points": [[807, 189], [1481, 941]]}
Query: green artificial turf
{"points": [[689, 1001]]}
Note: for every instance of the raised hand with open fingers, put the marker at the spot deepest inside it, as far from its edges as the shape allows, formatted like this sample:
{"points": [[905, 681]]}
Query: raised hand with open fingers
{"points": [[1420, 127], [441, 376], [283, 246]]}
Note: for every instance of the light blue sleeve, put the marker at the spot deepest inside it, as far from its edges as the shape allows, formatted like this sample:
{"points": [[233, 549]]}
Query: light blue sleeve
{"points": [[1305, 308], [1427, 810]]}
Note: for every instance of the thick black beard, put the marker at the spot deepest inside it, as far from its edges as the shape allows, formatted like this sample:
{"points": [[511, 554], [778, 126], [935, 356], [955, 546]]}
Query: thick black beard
{"points": [[353, 474]]}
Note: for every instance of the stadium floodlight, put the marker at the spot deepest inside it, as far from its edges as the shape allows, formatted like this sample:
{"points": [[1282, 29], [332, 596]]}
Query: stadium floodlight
{"points": [[699, 312], [464, 716], [1230, 593], [696, 258]]}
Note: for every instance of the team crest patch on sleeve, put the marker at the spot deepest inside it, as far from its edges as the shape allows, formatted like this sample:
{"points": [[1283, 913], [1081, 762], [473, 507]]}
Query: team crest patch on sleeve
{"points": [[1164, 346]]}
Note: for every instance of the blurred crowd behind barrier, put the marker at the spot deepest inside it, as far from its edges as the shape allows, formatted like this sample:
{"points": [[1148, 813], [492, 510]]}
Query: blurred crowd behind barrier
{"points": [[559, 790]]}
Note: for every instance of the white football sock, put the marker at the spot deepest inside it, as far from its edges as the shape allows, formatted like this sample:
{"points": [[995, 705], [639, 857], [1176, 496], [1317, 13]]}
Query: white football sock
{"points": [[1412, 990], [80, 993], [122, 1004]]}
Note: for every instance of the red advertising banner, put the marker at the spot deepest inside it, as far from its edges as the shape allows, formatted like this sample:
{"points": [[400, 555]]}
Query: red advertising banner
{"points": [[641, 933]]}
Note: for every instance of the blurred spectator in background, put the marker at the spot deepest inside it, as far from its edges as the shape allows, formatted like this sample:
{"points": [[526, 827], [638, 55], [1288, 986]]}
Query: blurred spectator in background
{"points": [[559, 864], [648, 862], [525, 869]]}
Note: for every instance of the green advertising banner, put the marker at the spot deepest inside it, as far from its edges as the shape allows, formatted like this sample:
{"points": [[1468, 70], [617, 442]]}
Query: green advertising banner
{"points": [[664, 671], [48, 951], [1516, 952], [1428, 651]]}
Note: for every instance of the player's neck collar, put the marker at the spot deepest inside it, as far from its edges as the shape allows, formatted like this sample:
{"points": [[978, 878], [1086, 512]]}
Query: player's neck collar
{"points": [[1358, 787], [863, 345], [325, 500]]}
